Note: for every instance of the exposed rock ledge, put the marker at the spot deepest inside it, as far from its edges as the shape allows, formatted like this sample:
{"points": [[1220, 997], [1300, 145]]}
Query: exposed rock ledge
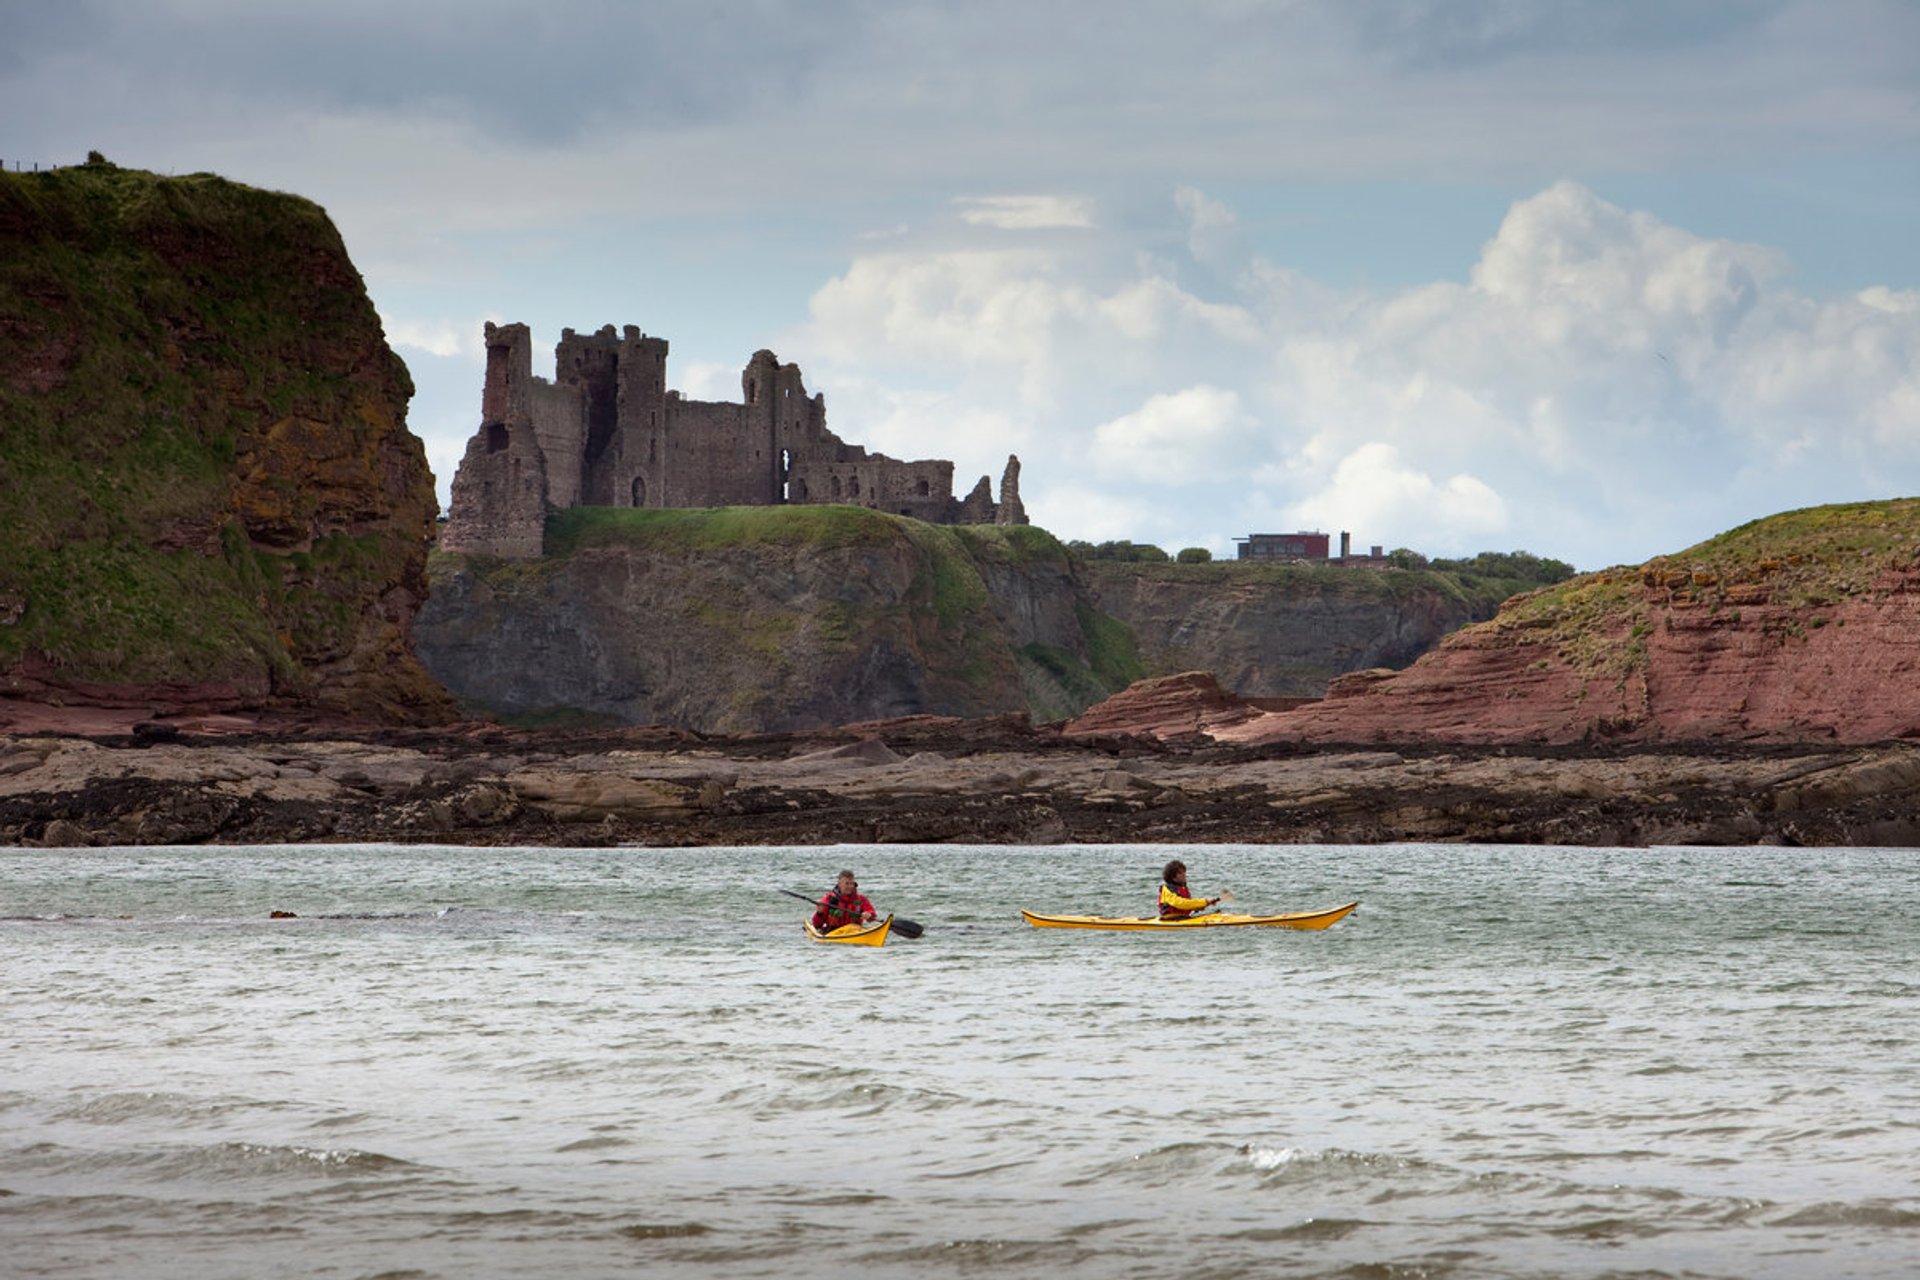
{"points": [[930, 780]]}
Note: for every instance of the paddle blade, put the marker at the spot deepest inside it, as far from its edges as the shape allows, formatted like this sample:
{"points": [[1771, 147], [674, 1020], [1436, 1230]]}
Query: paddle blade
{"points": [[907, 928]]}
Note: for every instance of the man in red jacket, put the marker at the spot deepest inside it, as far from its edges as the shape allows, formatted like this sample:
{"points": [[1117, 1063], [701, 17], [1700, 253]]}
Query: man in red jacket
{"points": [[843, 904]]}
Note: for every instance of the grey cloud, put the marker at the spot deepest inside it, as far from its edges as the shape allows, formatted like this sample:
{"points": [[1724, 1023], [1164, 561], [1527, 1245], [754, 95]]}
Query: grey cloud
{"points": [[1477, 33], [549, 72]]}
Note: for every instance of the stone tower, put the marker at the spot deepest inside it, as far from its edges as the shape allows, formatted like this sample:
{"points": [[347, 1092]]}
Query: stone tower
{"points": [[606, 432]]}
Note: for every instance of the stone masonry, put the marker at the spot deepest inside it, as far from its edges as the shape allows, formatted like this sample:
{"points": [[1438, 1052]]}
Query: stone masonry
{"points": [[607, 432]]}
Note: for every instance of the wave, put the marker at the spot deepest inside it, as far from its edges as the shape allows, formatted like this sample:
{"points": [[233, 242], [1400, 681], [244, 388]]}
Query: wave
{"points": [[1868, 1213], [218, 1162]]}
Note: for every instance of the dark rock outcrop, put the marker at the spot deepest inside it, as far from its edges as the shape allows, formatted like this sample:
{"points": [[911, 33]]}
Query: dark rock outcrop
{"points": [[1283, 631], [761, 619], [211, 497]]}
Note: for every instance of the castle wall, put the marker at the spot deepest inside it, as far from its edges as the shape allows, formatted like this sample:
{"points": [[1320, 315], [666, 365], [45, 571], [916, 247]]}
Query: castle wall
{"points": [[607, 432], [717, 456], [640, 478], [500, 500], [558, 419]]}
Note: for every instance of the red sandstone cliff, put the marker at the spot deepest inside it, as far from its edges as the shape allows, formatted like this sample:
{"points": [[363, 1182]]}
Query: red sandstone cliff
{"points": [[1802, 627], [209, 498]]}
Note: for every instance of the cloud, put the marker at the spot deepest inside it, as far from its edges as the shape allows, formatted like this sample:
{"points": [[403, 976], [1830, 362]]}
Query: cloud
{"points": [[1175, 439], [1373, 488], [437, 337], [1025, 213], [1601, 385]]}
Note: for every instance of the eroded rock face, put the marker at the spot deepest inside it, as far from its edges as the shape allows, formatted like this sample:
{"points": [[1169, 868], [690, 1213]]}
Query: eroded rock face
{"points": [[211, 498], [1264, 637], [1768, 669], [1165, 707], [929, 779], [744, 638]]}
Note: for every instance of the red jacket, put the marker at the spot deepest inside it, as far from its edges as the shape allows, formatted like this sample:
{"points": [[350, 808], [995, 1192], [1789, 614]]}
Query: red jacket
{"points": [[837, 909]]}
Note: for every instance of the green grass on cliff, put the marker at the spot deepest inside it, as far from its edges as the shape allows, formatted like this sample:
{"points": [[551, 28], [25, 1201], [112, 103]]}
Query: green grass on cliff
{"points": [[1480, 593], [147, 325], [713, 528], [1803, 560]]}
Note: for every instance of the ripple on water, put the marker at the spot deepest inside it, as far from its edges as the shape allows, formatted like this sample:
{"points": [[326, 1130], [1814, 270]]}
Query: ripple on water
{"points": [[240, 1162], [1866, 1213]]}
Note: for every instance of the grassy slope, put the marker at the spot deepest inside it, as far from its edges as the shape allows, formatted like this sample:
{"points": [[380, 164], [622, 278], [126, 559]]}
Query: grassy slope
{"points": [[150, 327], [1806, 559]]}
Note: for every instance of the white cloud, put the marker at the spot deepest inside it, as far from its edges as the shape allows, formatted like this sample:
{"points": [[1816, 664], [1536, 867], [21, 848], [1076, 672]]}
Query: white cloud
{"points": [[1180, 438], [708, 380], [437, 337], [1601, 386], [1026, 213], [1375, 493]]}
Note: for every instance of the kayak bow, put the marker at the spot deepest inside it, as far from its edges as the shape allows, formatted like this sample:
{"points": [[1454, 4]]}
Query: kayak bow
{"points": [[859, 935], [1215, 920]]}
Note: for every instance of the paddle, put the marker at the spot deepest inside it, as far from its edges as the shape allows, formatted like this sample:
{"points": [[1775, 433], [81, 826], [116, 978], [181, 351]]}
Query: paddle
{"points": [[902, 926]]}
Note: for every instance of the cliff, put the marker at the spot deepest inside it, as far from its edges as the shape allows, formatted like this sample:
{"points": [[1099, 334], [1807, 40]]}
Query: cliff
{"points": [[1799, 627], [211, 496], [751, 619], [1286, 631]]}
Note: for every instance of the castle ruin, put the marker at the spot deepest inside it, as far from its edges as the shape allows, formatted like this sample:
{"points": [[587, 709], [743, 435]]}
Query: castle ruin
{"points": [[606, 432]]}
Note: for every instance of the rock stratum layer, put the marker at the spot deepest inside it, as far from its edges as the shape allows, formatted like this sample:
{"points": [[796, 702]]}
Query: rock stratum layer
{"points": [[1286, 631], [212, 498], [1802, 627], [932, 780]]}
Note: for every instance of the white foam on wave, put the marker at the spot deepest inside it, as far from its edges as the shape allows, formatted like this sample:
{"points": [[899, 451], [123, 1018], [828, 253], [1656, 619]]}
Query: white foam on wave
{"points": [[1266, 1159]]}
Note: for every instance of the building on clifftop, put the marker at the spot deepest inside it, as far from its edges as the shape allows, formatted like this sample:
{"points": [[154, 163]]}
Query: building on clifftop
{"points": [[606, 432]]}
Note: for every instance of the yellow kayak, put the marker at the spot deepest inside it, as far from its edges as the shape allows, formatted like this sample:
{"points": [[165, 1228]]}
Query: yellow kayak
{"points": [[1213, 920], [859, 935]]}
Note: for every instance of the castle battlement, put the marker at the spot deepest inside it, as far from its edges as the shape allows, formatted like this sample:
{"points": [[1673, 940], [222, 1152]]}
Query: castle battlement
{"points": [[606, 431]]}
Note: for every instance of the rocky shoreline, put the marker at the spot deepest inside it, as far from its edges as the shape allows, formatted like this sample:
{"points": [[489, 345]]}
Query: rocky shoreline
{"points": [[928, 780]]}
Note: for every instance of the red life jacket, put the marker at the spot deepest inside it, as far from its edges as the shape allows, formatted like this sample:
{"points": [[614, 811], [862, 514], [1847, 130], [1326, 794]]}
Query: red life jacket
{"points": [[837, 909]]}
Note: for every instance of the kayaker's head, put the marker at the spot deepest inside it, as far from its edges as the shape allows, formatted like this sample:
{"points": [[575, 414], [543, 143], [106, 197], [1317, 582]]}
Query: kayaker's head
{"points": [[846, 883], [1175, 872]]}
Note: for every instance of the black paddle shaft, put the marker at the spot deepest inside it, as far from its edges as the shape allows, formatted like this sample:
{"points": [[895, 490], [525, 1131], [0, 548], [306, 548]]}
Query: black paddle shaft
{"points": [[904, 927]]}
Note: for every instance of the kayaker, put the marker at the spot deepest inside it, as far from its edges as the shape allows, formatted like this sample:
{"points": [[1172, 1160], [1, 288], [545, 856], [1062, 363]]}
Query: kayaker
{"points": [[843, 904], [1175, 904]]}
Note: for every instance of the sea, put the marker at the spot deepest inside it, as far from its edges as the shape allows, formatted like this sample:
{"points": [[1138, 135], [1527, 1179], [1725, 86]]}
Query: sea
{"points": [[461, 1062]]}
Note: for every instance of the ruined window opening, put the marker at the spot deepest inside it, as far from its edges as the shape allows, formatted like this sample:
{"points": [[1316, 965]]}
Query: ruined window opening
{"points": [[498, 437], [836, 486], [753, 391], [855, 483], [922, 488], [905, 512], [786, 470], [639, 491]]}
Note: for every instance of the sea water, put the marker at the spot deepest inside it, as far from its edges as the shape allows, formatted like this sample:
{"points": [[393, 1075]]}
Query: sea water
{"points": [[1510, 1062]]}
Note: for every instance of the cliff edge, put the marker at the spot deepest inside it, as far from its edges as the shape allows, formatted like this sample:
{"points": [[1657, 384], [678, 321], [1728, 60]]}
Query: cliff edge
{"points": [[212, 501], [1801, 627]]}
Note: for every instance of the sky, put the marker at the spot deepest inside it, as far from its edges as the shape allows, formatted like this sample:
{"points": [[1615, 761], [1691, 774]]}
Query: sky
{"points": [[1592, 280]]}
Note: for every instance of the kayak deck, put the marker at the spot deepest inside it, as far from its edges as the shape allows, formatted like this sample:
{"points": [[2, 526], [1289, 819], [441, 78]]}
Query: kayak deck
{"points": [[859, 935], [1213, 920]]}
